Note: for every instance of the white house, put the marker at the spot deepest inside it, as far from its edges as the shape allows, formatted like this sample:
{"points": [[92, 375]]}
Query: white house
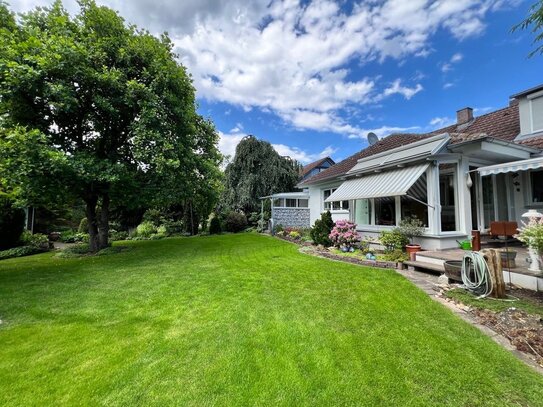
{"points": [[455, 179]]}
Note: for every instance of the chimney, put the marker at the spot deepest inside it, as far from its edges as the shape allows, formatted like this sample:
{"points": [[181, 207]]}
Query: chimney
{"points": [[464, 115]]}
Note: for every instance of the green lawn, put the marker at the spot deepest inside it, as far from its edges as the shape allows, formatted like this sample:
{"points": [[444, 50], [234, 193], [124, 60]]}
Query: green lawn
{"points": [[238, 320]]}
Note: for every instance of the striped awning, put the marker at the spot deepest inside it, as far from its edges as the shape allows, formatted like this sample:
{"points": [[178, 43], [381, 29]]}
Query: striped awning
{"points": [[522, 165], [378, 185]]}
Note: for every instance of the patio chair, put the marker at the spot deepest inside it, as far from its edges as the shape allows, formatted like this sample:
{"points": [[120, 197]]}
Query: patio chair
{"points": [[503, 228]]}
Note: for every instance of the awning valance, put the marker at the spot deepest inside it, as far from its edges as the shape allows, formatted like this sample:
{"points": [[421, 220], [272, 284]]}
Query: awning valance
{"points": [[514, 166], [378, 185]]}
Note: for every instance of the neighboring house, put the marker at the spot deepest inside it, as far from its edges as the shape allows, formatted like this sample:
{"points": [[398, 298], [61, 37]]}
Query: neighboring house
{"points": [[454, 179], [315, 167], [291, 209]]}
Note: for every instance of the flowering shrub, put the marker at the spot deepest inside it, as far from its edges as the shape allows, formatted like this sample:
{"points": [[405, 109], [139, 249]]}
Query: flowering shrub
{"points": [[294, 234], [344, 234], [531, 233]]}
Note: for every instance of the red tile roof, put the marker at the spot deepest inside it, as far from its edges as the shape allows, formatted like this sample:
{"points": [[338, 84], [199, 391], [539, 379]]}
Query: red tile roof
{"points": [[502, 124], [307, 168], [535, 141], [385, 144]]}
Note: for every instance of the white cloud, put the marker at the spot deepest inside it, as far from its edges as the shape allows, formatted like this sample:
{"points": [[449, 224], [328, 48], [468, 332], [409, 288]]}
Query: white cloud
{"points": [[238, 128], [384, 131], [439, 122], [448, 85], [455, 59], [229, 141], [397, 88], [301, 155], [293, 58]]}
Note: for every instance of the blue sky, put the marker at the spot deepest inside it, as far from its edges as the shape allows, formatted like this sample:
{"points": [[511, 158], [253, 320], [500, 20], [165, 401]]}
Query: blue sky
{"points": [[313, 77]]}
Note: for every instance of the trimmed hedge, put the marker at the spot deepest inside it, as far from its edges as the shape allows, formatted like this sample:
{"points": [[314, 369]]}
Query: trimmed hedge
{"points": [[20, 252]]}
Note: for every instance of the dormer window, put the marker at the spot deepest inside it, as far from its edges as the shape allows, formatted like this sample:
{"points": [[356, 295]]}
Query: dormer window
{"points": [[536, 111], [530, 109]]}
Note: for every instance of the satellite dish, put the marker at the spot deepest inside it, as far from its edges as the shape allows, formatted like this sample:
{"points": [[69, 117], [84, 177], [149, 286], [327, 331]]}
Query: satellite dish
{"points": [[372, 138]]}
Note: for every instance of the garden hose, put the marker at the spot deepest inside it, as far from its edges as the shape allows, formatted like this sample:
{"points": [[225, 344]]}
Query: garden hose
{"points": [[475, 274]]}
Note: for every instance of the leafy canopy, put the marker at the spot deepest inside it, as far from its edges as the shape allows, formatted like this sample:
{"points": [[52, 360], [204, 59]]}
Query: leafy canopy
{"points": [[98, 109], [257, 170], [534, 22]]}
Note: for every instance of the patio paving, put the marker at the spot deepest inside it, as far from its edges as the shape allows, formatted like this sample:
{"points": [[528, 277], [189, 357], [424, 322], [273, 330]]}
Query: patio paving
{"points": [[522, 265]]}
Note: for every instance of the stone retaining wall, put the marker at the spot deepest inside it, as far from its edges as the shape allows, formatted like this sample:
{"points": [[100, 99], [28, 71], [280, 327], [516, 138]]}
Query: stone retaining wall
{"points": [[292, 217]]}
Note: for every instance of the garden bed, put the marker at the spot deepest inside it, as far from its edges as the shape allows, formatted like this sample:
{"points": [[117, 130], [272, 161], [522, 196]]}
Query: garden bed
{"points": [[519, 319], [331, 253], [354, 259]]}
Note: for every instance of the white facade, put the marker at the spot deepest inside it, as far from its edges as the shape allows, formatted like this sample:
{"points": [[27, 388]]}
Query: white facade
{"points": [[458, 199], [437, 178]]}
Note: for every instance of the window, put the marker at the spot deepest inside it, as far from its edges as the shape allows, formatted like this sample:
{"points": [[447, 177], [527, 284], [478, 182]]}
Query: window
{"points": [[303, 203], [488, 200], [414, 204], [385, 211], [501, 193], [362, 212], [278, 203], [291, 203], [447, 197], [537, 185], [336, 205], [536, 105]]}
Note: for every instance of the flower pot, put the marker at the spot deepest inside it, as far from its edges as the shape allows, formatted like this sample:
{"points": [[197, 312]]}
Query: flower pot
{"points": [[412, 249]]}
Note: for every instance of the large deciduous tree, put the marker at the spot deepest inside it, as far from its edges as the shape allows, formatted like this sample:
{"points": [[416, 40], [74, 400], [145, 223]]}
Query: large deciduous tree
{"points": [[534, 22], [257, 170], [95, 108]]}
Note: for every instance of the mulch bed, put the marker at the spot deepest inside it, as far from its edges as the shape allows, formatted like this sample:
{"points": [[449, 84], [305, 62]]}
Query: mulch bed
{"points": [[524, 331]]}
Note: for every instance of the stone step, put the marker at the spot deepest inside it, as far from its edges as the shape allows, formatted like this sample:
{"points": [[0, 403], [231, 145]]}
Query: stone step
{"points": [[426, 266]]}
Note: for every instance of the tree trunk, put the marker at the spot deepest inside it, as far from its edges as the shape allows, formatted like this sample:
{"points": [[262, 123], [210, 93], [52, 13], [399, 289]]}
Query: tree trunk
{"points": [[98, 222], [103, 230], [90, 210]]}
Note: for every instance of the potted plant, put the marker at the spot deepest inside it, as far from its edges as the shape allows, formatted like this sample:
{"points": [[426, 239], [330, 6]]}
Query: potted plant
{"points": [[531, 233], [411, 227]]}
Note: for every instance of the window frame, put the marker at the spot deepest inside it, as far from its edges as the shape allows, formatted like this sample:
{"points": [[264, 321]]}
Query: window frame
{"points": [[329, 206], [530, 190], [531, 98], [454, 172], [284, 203]]}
